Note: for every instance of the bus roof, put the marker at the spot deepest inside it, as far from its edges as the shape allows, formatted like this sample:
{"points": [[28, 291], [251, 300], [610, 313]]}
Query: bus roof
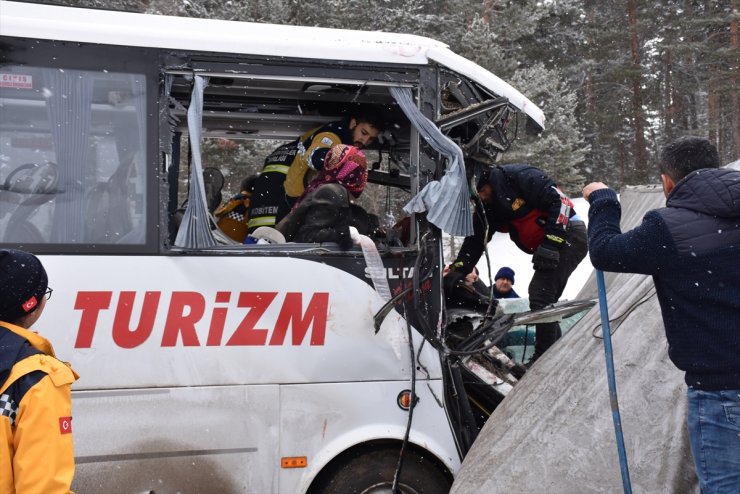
{"points": [[39, 21]]}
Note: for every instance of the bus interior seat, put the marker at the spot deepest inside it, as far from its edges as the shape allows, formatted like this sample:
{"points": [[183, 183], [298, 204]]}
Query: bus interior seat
{"points": [[213, 182], [39, 181]]}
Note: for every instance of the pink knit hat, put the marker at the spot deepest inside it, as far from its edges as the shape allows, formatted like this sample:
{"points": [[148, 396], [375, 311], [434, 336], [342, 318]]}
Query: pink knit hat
{"points": [[340, 154]]}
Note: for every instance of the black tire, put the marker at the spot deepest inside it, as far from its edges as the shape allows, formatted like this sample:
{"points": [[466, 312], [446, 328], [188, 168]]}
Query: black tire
{"points": [[372, 471]]}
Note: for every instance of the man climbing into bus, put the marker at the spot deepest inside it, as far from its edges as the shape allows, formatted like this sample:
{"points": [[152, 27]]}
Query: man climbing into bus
{"points": [[526, 203], [284, 175]]}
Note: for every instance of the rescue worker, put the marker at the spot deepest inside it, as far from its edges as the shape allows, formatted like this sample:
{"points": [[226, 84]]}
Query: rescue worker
{"points": [[36, 450], [233, 215], [526, 203], [323, 213], [284, 175]]}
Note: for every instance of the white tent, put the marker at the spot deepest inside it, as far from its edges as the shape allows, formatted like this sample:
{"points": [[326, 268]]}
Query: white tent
{"points": [[554, 432]]}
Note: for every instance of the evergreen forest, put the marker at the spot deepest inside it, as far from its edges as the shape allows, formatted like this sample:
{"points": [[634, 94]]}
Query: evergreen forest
{"points": [[616, 79]]}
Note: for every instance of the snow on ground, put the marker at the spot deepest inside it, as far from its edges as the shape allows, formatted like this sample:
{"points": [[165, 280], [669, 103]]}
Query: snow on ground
{"points": [[503, 252]]}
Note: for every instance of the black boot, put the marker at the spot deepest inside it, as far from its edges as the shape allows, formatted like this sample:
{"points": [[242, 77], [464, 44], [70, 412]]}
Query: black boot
{"points": [[518, 370], [546, 334]]}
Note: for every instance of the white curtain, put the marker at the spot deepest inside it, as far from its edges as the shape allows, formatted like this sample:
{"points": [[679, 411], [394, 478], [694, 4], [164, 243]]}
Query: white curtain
{"points": [[69, 105], [447, 200], [195, 229]]}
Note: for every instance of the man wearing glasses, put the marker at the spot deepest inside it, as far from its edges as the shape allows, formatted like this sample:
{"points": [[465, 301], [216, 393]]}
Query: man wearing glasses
{"points": [[36, 450]]}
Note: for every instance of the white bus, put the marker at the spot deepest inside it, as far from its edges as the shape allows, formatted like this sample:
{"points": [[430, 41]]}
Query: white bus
{"points": [[209, 365]]}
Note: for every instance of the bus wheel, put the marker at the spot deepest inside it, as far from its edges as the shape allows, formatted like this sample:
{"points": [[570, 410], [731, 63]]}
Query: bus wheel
{"points": [[371, 472]]}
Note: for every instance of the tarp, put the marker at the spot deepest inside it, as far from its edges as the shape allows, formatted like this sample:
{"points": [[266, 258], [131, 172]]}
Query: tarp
{"points": [[554, 432]]}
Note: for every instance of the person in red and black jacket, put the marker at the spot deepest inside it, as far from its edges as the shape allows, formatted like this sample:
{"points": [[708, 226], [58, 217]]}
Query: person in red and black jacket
{"points": [[523, 201]]}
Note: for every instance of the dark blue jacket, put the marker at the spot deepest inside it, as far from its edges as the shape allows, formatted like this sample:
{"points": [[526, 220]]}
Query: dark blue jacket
{"points": [[13, 349], [692, 249]]}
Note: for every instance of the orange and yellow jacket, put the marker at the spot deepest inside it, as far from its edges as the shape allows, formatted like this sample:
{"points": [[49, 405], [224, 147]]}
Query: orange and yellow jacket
{"points": [[36, 450], [312, 148]]}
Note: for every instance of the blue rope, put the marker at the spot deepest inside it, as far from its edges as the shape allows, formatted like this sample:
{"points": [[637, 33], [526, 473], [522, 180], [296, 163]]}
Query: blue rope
{"points": [[606, 330]]}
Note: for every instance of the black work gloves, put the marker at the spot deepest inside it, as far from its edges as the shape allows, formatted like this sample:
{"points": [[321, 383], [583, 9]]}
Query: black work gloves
{"points": [[547, 255]]}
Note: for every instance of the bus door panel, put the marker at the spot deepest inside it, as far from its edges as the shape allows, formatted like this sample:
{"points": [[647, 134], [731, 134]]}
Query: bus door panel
{"points": [[194, 439]]}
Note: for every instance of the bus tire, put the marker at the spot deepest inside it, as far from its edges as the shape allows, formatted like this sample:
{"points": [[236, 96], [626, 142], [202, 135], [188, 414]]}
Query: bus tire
{"points": [[371, 472]]}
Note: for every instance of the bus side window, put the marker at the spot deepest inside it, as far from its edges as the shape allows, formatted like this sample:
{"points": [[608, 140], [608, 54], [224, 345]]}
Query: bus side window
{"points": [[73, 156]]}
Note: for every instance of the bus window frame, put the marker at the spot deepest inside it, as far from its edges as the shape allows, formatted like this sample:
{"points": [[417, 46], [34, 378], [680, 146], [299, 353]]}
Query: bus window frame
{"points": [[50, 54], [250, 68]]}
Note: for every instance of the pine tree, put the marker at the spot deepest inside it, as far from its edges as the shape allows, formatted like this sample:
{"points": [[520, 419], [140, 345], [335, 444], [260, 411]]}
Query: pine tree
{"points": [[503, 47]]}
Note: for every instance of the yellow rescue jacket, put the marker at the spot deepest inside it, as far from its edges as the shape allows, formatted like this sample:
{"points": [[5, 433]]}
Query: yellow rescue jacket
{"points": [[310, 155], [36, 449], [288, 169]]}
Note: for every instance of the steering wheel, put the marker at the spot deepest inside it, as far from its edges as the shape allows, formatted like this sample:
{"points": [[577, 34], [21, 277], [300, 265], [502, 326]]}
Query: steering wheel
{"points": [[33, 178]]}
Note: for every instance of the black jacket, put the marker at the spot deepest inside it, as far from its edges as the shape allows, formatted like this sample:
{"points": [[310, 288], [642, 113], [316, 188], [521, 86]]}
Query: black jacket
{"points": [[474, 297], [692, 249], [527, 204], [324, 215]]}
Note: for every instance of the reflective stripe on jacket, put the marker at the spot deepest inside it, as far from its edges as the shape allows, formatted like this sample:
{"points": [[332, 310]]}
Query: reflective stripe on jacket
{"points": [[36, 448]]}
